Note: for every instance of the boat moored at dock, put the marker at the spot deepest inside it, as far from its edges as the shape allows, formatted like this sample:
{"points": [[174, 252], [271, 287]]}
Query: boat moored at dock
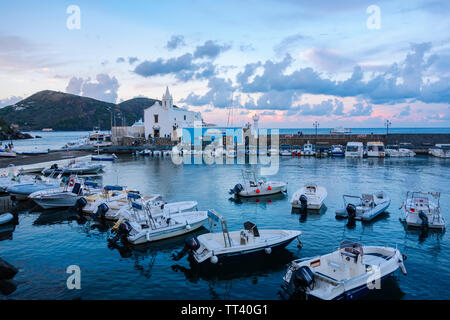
{"points": [[346, 274], [354, 150], [310, 196], [422, 210], [252, 186], [366, 207]]}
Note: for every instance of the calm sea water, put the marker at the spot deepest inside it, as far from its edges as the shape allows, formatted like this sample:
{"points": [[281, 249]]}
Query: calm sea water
{"points": [[44, 244]]}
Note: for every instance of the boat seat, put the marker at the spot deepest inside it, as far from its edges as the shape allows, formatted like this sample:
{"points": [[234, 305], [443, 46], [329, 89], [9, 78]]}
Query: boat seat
{"points": [[326, 278]]}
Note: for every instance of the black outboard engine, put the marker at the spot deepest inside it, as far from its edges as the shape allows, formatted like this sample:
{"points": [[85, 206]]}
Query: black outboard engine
{"points": [[101, 210], [54, 166], [121, 233], [190, 245], [301, 279], [237, 188], [351, 211], [304, 203], [80, 204], [424, 219]]}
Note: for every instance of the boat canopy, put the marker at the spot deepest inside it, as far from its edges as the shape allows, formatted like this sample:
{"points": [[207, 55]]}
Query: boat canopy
{"points": [[351, 247], [251, 227]]}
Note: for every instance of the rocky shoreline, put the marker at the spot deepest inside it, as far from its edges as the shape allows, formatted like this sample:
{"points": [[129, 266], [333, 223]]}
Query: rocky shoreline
{"points": [[7, 132]]}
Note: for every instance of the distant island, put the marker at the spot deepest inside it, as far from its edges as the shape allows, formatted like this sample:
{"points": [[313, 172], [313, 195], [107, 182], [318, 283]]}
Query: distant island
{"points": [[67, 112]]}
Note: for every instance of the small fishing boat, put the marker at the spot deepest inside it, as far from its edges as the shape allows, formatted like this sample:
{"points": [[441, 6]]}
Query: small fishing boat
{"points": [[337, 151], [121, 208], [340, 130], [308, 149], [21, 191], [366, 207], [310, 197], [273, 151], [253, 187], [7, 153], [144, 225], [77, 168], [225, 246], [440, 150], [31, 170], [354, 150], [157, 153], [422, 209], [167, 153], [145, 152], [375, 149], [346, 274], [66, 196], [285, 150], [5, 218]]}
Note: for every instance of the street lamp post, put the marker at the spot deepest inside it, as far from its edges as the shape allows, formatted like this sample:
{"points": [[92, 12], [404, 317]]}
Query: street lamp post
{"points": [[316, 125], [387, 124]]}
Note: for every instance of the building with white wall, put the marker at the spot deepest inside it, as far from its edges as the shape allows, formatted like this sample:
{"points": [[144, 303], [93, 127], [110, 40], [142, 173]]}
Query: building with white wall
{"points": [[165, 120]]}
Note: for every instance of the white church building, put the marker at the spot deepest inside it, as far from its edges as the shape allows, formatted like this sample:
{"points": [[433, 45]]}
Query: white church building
{"points": [[165, 120]]}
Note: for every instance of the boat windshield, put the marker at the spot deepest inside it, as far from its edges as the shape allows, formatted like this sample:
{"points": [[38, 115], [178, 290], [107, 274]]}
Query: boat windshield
{"points": [[352, 148], [351, 247]]}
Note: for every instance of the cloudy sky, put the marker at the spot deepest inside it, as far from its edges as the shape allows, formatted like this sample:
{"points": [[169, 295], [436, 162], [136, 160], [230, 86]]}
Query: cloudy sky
{"points": [[342, 63]]}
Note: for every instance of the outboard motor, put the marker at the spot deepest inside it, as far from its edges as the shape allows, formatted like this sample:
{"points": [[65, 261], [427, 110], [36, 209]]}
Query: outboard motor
{"points": [[121, 233], [190, 245], [424, 219], [301, 279], [80, 204], [304, 203], [237, 188], [351, 211], [101, 210]]}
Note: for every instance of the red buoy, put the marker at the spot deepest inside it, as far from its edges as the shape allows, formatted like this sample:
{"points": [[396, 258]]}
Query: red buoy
{"points": [[257, 191], [269, 188]]}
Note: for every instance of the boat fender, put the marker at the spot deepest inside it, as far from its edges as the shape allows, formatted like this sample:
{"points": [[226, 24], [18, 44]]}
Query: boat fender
{"points": [[214, 259], [268, 250], [269, 188], [257, 191], [188, 227]]}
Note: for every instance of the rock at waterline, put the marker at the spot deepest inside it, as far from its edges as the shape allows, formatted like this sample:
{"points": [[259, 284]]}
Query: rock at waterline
{"points": [[7, 286]]}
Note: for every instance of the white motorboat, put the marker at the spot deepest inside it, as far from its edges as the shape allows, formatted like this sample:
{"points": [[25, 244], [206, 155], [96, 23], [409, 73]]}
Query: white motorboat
{"points": [[348, 273], [399, 152], [441, 150], [145, 152], [167, 153], [157, 153], [354, 150], [273, 151], [422, 209], [121, 208], [337, 151], [31, 170], [340, 130], [66, 196], [308, 149], [253, 187], [144, 225], [225, 246], [311, 197], [21, 191], [375, 149], [77, 168], [7, 153], [366, 207]]}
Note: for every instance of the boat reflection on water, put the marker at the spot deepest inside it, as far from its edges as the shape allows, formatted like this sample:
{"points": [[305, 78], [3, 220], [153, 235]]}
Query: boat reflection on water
{"points": [[258, 266], [305, 214], [261, 200], [422, 233], [57, 216]]}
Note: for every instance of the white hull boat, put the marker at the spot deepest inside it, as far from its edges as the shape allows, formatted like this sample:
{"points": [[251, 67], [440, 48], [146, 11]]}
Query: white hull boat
{"points": [[253, 187], [7, 153], [22, 191], [337, 151], [346, 274], [285, 153], [121, 208], [167, 153], [354, 150], [375, 149], [310, 196], [143, 225], [422, 209], [308, 150], [440, 150], [399, 153], [225, 246], [108, 195], [75, 168], [366, 207], [157, 153], [145, 152]]}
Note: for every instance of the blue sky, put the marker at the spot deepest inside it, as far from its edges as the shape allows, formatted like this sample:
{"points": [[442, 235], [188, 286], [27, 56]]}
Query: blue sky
{"points": [[293, 62]]}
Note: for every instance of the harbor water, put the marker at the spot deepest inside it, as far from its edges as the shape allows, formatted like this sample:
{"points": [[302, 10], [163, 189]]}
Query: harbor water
{"points": [[44, 244]]}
